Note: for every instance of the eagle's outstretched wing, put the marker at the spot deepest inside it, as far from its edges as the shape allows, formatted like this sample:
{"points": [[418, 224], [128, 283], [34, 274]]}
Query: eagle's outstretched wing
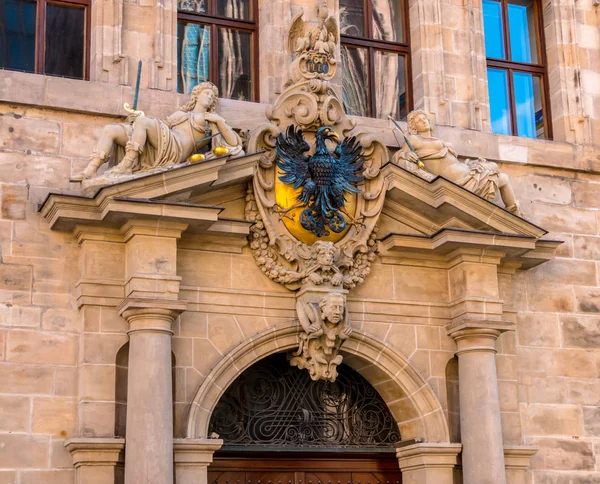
{"points": [[296, 38], [291, 159], [347, 172], [348, 169]]}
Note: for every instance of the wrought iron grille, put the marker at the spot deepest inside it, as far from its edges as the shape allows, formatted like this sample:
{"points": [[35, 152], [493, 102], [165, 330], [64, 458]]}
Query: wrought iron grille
{"points": [[273, 404]]}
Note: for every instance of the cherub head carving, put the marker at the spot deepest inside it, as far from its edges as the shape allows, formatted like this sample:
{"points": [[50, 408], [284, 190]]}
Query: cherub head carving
{"points": [[333, 307], [324, 253]]}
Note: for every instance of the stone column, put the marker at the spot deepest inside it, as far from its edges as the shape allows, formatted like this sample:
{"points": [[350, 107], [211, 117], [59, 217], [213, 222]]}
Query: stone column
{"points": [[428, 463], [192, 458], [149, 432], [480, 424], [150, 306]]}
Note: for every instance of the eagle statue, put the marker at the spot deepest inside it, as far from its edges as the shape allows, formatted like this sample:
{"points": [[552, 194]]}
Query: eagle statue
{"points": [[320, 37], [324, 177]]}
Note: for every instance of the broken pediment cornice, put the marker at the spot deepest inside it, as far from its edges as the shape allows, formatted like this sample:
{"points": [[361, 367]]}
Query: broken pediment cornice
{"points": [[523, 250], [160, 195], [443, 202]]}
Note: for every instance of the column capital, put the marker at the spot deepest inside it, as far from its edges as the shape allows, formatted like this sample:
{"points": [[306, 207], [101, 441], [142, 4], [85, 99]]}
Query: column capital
{"points": [[96, 451], [428, 463], [152, 228], [192, 458], [518, 457], [155, 315], [477, 335], [195, 452]]}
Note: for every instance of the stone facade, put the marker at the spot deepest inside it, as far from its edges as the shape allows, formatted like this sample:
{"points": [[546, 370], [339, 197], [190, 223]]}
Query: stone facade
{"points": [[70, 289]]}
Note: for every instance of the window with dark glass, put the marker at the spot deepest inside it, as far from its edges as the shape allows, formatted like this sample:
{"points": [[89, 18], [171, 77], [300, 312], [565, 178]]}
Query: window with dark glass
{"points": [[44, 37], [517, 80], [375, 57], [217, 42]]}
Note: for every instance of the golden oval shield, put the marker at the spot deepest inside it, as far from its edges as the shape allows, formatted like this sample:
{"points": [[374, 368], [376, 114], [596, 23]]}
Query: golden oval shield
{"points": [[285, 196]]}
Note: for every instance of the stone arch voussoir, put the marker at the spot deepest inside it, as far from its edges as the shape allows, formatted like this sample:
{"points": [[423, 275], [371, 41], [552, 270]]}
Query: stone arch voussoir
{"points": [[411, 400]]}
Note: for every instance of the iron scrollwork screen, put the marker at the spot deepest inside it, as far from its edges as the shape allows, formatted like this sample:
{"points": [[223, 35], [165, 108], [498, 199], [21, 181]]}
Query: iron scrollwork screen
{"points": [[272, 404]]}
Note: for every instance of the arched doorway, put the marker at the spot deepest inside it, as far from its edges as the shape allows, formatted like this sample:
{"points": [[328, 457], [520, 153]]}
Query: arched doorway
{"points": [[280, 427]]}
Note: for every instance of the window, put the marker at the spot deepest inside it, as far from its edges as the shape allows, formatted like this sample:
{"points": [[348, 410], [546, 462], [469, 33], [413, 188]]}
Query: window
{"points": [[45, 37], [216, 41], [375, 50], [517, 80]]}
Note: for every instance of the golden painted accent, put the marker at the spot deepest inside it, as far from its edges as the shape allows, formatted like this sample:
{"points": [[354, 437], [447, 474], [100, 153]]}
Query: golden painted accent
{"points": [[220, 151], [285, 196], [196, 157]]}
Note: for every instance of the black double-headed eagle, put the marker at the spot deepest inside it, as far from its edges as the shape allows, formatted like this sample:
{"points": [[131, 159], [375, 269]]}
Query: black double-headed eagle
{"points": [[325, 177]]}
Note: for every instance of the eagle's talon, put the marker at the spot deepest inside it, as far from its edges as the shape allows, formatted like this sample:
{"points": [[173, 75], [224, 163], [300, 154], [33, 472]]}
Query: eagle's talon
{"points": [[283, 212]]}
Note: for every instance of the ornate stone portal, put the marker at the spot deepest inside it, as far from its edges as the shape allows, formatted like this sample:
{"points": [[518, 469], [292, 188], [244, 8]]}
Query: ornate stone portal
{"points": [[315, 215]]}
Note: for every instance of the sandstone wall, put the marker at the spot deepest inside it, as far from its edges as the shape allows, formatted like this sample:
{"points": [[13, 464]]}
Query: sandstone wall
{"points": [[63, 370]]}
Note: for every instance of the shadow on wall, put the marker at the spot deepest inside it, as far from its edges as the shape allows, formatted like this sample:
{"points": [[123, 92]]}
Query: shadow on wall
{"points": [[453, 399], [122, 368]]}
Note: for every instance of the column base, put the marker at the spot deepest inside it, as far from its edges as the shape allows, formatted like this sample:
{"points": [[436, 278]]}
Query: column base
{"points": [[428, 463], [97, 460]]}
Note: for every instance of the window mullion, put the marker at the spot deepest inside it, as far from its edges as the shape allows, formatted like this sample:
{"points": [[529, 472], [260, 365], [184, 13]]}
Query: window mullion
{"points": [[506, 30], [372, 90], [512, 101], [40, 34], [368, 19], [213, 70]]}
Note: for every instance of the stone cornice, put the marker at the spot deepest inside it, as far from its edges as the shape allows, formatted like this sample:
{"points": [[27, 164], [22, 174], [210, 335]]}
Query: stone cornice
{"points": [[451, 243], [145, 197], [440, 200]]}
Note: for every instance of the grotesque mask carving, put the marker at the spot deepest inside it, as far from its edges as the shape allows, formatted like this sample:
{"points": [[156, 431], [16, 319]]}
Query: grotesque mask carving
{"points": [[325, 326]]}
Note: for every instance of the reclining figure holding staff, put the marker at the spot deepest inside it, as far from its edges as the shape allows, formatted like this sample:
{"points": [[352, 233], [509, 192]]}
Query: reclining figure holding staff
{"points": [[144, 144], [480, 176]]}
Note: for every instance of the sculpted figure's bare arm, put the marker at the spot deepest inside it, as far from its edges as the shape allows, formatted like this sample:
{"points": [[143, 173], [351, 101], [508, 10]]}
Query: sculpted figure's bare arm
{"points": [[405, 152], [308, 317], [226, 132]]}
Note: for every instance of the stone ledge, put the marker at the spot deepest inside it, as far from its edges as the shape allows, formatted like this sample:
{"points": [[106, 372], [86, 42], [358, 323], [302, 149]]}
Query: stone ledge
{"points": [[107, 99]]}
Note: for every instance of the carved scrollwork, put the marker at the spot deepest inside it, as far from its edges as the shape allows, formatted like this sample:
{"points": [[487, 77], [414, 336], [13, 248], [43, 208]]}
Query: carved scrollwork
{"points": [[333, 256]]}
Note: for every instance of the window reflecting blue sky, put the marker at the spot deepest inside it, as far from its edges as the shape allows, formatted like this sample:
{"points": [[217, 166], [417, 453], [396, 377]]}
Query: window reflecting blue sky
{"points": [[499, 107], [527, 96], [522, 36], [492, 25]]}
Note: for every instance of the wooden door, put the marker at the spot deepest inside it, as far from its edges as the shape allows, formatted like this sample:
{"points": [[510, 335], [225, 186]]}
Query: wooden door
{"points": [[305, 469]]}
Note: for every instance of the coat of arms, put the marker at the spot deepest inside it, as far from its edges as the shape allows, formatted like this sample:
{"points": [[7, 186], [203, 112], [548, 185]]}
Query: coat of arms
{"points": [[316, 196]]}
